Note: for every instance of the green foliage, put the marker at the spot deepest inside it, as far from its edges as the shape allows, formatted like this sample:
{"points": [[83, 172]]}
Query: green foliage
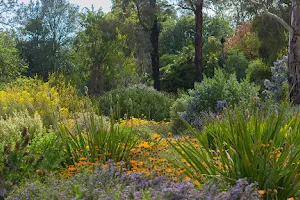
{"points": [[11, 127], [205, 96], [260, 145], [50, 146], [213, 55], [179, 106], [178, 70], [269, 30], [249, 45], [258, 71], [46, 28], [10, 63], [177, 34], [135, 101], [237, 63], [18, 162], [96, 137], [177, 38], [99, 54], [70, 99]]}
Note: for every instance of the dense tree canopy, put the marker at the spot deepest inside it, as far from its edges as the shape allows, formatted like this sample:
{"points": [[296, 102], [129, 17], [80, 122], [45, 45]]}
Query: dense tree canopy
{"points": [[147, 41]]}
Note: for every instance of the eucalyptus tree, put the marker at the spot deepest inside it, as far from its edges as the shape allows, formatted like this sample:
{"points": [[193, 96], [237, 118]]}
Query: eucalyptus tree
{"points": [[11, 66], [100, 53], [293, 28], [46, 28], [196, 6], [149, 13], [7, 8]]}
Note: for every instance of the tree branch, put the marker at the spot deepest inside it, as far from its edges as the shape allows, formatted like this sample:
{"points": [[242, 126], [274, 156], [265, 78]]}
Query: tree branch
{"points": [[185, 7], [140, 17], [280, 20]]}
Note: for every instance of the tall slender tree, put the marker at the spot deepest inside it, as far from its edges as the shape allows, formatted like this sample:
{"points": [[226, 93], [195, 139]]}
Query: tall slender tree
{"points": [[147, 13], [196, 6]]}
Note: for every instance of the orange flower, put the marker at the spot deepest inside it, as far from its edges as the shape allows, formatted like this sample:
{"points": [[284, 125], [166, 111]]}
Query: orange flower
{"points": [[82, 159], [144, 145], [104, 166], [133, 162], [38, 171], [72, 169], [133, 150]]}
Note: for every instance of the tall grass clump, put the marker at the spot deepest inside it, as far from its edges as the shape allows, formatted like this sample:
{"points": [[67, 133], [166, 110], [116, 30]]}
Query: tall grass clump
{"points": [[97, 139], [136, 101], [262, 146]]}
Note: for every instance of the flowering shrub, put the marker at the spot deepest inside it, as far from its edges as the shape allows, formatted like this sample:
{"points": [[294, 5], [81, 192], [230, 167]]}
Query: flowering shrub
{"points": [[277, 89], [212, 95], [38, 97], [135, 101]]}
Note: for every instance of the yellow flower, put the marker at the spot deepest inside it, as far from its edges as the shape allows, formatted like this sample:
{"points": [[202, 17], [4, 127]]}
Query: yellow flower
{"points": [[144, 145], [197, 183], [169, 170], [156, 136], [262, 192]]}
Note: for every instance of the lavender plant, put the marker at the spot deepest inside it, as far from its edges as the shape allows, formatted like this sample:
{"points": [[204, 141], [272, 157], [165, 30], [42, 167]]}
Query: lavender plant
{"points": [[277, 88], [109, 183]]}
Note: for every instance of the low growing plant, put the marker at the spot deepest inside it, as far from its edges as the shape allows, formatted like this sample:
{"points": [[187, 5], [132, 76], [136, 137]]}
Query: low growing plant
{"points": [[108, 183]]}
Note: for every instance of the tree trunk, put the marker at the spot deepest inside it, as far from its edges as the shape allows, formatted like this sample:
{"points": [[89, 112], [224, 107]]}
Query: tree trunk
{"points": [[198, 42], [97, 81], [154, 53], [294, 53]]}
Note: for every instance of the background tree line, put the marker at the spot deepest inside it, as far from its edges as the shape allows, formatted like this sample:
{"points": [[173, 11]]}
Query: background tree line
{"points": [[167, 44]]}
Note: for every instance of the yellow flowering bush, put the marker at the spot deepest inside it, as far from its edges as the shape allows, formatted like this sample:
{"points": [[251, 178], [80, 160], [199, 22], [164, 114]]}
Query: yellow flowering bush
{"points": [[52, 103]]}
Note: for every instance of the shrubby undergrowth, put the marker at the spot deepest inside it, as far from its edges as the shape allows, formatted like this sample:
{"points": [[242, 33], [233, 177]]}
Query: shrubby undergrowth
{"points": [[136, 101], [214, 94]]}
